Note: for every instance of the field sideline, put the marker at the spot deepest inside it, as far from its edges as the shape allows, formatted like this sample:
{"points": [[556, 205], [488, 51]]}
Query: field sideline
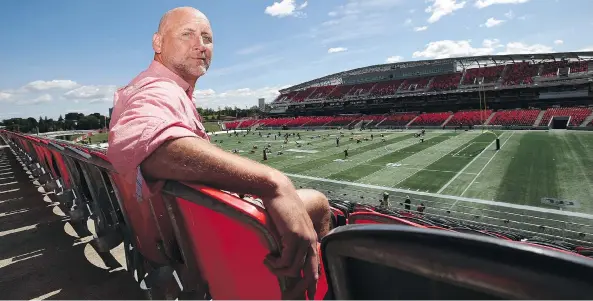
{"points": [[531, 165]]}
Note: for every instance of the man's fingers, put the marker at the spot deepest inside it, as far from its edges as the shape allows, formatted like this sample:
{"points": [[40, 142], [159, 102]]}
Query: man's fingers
{"points": [[286, 257], [311, 271], [296, 264], [296, 292]]}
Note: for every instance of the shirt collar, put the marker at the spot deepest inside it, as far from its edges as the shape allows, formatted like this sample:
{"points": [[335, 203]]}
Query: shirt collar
{"points": [[161, 70]]}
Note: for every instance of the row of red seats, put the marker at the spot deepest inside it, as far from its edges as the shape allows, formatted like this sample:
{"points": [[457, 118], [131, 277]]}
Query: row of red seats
{"points": [[520, 74], [386, 88], [414, 84], [398, 119], [518, 117], [431, 119], [577, 115], [515, 117], [486, 75], [445, 82], [469, 117]]}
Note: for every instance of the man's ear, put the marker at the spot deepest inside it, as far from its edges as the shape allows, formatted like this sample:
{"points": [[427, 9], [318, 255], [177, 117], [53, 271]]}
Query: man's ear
{"points": [[157, 42]]}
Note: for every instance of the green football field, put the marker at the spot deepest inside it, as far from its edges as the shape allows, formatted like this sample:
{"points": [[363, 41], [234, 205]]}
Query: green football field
{"points": [[456, 174]]}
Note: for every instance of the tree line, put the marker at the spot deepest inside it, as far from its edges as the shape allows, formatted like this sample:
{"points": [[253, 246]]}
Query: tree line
{"points": [[95, 121], [70, 121]]}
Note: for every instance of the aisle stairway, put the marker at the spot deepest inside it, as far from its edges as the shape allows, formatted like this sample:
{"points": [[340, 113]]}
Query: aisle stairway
{"points": [[539, 118]]}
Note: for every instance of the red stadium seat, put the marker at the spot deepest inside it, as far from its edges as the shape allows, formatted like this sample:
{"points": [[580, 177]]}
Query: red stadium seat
{"points": [[231, 251]]}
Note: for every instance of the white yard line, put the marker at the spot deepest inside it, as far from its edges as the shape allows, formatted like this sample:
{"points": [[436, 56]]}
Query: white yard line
{"points": [[431, 162], [464, 168], [481, 170], [457, 153], [449, 197]]}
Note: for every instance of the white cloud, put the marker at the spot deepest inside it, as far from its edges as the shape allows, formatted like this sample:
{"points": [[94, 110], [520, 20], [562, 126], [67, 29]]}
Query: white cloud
{"points": [[285, 8], [337, 49], [40, 85], [523, 18], [491, 22], [521, 48], [485, 3], [332, 14], [394, 59], [39, 91], [558, 42], [449, 48], [441, 8], [408, 22], [509, 15], [239, 97], [91, 93], [422, 28]]}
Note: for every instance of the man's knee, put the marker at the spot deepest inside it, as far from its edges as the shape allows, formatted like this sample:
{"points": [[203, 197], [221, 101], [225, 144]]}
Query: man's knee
{"points": [[317, 206]]}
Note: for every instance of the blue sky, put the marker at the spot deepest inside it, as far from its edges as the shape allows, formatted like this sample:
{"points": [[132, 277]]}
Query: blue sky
{"points": [[70, 55]]}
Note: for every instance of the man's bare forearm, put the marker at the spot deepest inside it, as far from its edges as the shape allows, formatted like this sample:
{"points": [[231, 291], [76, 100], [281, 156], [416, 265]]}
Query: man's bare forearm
{"points": [[196, 160]]}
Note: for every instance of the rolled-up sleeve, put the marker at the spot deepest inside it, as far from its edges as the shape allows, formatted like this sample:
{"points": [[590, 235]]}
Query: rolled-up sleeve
{"points": [[148, 118]]}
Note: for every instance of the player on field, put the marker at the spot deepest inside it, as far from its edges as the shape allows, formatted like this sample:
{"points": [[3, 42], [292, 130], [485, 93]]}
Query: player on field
{"points": [[385, 201], [407, 203]]}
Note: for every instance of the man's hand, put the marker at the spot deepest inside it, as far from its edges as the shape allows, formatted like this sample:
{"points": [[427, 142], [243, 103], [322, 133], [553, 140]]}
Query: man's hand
{"points": [[299, 243]]}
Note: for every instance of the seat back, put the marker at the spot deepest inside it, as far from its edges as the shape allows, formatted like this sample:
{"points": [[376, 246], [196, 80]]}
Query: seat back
{"points": [[61, 164], [230, 238], [416, 263]]}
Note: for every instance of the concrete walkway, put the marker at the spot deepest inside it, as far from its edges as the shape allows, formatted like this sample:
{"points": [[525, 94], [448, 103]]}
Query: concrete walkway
{"points": [[42, 256]]}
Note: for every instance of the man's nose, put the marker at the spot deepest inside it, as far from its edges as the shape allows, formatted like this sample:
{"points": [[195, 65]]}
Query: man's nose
{"points": [[200, 45]]}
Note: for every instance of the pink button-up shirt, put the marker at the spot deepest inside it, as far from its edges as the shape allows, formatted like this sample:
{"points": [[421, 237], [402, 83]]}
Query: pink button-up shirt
{"points": [[154, 107]]}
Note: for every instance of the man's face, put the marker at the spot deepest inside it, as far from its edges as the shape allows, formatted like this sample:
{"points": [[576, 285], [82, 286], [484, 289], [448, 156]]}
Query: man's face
{"points": [[187, 45]]}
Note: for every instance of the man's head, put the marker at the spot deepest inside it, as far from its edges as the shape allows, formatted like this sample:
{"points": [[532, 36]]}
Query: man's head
{"points": [[184, 43]]}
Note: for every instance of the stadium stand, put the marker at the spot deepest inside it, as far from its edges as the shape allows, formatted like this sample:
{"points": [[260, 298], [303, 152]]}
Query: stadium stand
{"points": [[577, 115], [398, 119], [469, 118], [520, 74], [431, 119], [485, 75], [386, 88], [515, 117], [446, 82]]}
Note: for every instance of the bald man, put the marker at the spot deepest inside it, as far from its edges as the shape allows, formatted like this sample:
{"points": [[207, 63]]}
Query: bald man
{"points": [[157, 134]]}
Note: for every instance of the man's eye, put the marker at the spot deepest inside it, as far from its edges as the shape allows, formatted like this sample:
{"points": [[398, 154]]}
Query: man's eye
{"points": [[207, 38]]}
